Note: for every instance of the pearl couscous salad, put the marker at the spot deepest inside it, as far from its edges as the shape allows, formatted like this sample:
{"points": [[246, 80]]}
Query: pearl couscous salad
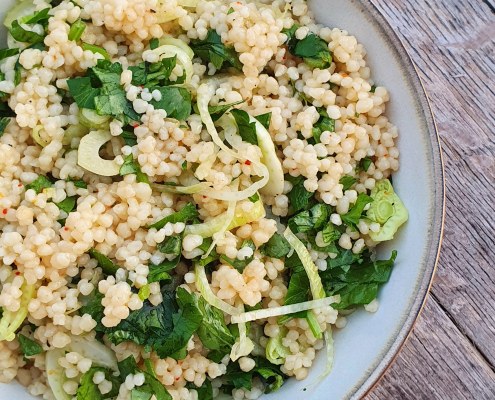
{"points": [[191, 193]]}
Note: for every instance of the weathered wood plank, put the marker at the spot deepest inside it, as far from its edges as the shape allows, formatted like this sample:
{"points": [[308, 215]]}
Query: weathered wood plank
{"points": [[438, 362], [453, 44]]}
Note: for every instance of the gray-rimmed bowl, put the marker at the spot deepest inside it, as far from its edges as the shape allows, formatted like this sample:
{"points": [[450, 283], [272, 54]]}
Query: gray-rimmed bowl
{"points": [[370, 342]]}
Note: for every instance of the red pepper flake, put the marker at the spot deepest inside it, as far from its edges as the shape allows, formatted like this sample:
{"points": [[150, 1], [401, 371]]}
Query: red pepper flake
{"points": [[247, 162], [65, 228], [17, 273], [5, 211], [20, 185], [135, 125]]}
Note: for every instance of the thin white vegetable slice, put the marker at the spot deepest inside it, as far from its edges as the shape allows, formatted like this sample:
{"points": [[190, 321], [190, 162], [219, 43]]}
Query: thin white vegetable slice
{"points": [[183, 58], [309, 266], [229, 217], [39, 136], [204, 95], [97, 352], [275, 184], [22, 9], [89, 158], [243, 345], [205, 290], [10, 320], [91, 119], [193, 189], [178, 43], [55, 374], [241, 217], [283, 310]]}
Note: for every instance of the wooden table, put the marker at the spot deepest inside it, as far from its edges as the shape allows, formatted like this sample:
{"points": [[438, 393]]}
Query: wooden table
{"points": [[451, 353]]}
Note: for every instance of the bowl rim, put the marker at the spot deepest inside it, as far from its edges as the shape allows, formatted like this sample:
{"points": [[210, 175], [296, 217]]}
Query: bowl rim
{"points": [[388, 356]]}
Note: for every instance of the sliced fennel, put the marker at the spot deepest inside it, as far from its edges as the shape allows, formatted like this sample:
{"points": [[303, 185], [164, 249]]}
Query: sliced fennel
{"points": [[283, 310], [89, 158], [275, 351], [39, 136], [182, 55], [170, 40], [205, 290], [11, 321], [241, 217], [72, 132], [243, 345], [22, 9], [275, 184], [317, 290], [204, 95], [387, 209], [55, 374], [97, 352], [193, 189], [90, 119]]}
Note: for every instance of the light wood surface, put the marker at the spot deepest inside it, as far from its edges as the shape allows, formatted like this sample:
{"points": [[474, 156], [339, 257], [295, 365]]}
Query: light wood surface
{"points": [[451, 352]]}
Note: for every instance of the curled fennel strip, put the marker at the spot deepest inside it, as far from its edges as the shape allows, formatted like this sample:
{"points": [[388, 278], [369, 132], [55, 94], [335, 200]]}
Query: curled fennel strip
{"points": [[243, 345], [317, 290], [193, 189], [205, 290], [12, 320], [204, 95], [283, 310]]}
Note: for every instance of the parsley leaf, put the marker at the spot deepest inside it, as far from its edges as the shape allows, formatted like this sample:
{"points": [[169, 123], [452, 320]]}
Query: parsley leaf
{"points": [[211, 49], [29, 347], [276, 247], [88, 390], [264, 119], [247, 129], [354, 214], [23, 35], [216, 112], [186, 214], [160, 272], [4, 122], [299, 197], [68, 204], [324, 124], [312, 49], [131, 166], [6, 53], [364, 164], [359, 283], [312, 219], [107, 265], [153, 74], [171, 246], [176, 101], [347, 181], [40, 183]]}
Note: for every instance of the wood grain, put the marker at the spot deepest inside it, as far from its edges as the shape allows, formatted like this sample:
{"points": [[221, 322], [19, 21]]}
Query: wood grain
{"points": [[451, 354]]}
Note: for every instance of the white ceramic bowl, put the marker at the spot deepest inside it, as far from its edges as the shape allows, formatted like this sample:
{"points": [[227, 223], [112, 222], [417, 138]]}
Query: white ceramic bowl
{"points": [[369, 343]]}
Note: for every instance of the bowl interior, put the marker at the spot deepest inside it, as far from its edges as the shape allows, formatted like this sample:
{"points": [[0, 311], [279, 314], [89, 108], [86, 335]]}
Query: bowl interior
{"points": [[369, 342]]}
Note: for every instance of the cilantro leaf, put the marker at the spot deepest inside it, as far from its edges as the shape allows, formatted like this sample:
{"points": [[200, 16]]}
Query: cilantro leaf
{"points": [[211, 49], [29, 347], [171, 246], [83, 92], [186, 214], [247, 129]]}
